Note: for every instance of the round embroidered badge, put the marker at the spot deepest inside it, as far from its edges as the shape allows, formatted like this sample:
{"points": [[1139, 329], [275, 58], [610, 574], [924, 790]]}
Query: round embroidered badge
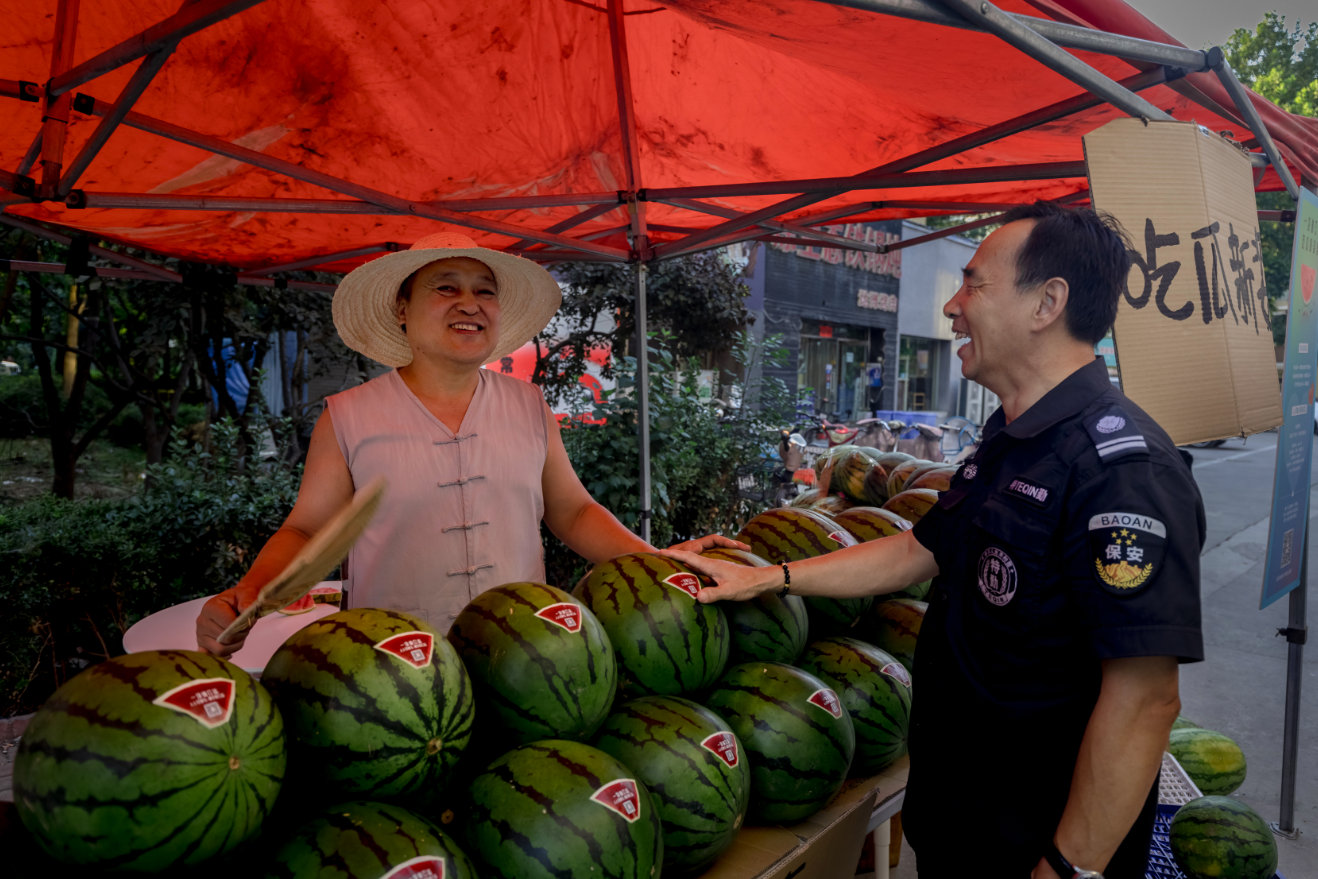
{"points": [[1110, 423], [997, 576]]}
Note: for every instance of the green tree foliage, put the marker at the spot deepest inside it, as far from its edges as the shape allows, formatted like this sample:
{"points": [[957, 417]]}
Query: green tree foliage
{"points": [[78, 574], [697, 448], [148, 346], [1280, 62], [698, 299]]}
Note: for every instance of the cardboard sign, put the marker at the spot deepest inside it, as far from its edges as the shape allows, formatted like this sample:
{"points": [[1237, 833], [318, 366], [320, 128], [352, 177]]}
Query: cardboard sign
{"points": [[1193, 332]]}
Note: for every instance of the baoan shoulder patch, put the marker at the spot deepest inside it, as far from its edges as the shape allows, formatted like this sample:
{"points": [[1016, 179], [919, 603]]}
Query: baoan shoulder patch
{"points": [[1127, 550], [1115, 434]]}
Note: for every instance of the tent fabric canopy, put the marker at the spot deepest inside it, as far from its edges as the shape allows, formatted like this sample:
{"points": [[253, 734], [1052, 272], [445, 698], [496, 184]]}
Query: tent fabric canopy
{"points": [[317, 133]]}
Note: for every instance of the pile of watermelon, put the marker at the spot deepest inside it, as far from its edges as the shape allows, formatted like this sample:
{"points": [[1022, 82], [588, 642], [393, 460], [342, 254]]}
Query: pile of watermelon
{"points": [[609, 731], [1216, 835]]}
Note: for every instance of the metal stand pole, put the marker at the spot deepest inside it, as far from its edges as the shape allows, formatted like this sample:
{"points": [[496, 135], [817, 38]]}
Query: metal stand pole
{"points": [[1295, 634], [643, 399]]}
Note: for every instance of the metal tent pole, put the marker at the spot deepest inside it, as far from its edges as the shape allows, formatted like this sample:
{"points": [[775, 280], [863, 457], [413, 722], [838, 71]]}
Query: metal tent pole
{"points": [[1295, 633], [643, 399]]}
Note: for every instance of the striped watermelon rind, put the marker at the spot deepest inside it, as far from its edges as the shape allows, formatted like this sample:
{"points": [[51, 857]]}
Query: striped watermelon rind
{"points": [[541, 662], [694, 768], [768, 626], [369, 839], [799, 752], [1213, 760], [894, 626], [363, 722], [1221, 837], [875, 689], [790, 534], [537, 812], [104, 775], [666, 642]]}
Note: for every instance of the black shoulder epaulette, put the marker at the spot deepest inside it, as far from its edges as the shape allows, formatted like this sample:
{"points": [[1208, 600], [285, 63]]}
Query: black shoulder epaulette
{"points": [[1115, 434]]}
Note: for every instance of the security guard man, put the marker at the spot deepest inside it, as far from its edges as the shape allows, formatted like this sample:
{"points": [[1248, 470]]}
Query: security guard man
{"points": [[1065, 555]]}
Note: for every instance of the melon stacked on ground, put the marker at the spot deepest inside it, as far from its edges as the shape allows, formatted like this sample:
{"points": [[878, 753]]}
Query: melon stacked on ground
{"points": [[694, 767], [666, 641], [378, 706], [150, 762]]}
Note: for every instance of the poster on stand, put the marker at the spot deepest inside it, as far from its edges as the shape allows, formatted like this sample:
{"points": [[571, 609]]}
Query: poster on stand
{"points": [[1290, 483]]}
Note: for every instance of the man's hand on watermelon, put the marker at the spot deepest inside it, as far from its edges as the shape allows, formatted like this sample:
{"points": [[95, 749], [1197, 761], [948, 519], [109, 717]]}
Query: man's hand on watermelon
{"points": [[734, 582]]}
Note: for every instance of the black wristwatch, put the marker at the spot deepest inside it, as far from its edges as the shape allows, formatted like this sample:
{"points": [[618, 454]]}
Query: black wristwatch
{"points": [[1065, 868]]}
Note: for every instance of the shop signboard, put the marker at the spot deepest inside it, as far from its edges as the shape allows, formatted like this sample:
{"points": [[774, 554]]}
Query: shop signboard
{"points": [[1193, 333]]}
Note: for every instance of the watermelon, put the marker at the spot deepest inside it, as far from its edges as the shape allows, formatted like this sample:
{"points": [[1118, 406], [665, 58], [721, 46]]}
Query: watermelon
{"points": [[377, 705], [562, 809], [1213, 761], [893, 627], [912, 504], [369, 839], [1223, 838], [797, 735], [918, 591], [693, 767], [790, 534], [876, 691], [1183, 722], [871, 523], [768, 626], [666, 641], [149, 762], [541, 662]]}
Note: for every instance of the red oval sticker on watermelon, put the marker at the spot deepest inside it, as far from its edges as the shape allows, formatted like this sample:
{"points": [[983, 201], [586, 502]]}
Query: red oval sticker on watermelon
{"points": [[424, 867], [897, 672], [827, 700], [684, 582], [843, 537], [621, 797], [563, 614], [209, 701], [723, 745], [414, 648]]}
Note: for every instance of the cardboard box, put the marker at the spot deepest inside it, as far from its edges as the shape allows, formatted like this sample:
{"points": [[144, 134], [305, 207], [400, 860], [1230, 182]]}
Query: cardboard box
{"points": [[1193, 332], [824, 846]]}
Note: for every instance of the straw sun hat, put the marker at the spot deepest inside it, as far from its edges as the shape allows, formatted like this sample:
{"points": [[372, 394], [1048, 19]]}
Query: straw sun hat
{"points": [[364, 303]]}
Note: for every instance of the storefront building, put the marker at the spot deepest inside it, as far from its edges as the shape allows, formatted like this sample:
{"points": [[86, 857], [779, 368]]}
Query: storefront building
{"points": [[864, 332], [835, 312]]}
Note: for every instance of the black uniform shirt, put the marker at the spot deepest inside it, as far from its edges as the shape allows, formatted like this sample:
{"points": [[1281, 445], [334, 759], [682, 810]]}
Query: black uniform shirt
{"points": [[1072, 536]]}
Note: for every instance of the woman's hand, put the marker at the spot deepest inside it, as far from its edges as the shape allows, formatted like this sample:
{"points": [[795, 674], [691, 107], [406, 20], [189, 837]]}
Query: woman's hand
{"points": [[732, 581], [700, 544], [215, 616]]}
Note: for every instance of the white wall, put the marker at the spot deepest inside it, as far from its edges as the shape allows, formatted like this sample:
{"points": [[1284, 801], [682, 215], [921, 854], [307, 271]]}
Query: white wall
{"points": [[931, 273]]}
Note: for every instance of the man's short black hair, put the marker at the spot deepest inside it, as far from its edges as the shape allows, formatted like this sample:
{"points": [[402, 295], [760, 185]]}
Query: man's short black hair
{"points": [[1087, 249]]}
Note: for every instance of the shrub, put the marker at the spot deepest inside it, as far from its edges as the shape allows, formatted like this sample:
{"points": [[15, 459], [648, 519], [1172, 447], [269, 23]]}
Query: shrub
{"points": [[696, 451], [74, 575]]}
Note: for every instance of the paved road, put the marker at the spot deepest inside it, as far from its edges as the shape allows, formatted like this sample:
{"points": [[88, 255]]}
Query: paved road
{"points": [[1240, 688]]}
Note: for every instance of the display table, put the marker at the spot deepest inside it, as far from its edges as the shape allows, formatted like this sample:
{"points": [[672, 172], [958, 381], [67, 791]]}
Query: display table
{"points": [[827, 844], [175, 628]]}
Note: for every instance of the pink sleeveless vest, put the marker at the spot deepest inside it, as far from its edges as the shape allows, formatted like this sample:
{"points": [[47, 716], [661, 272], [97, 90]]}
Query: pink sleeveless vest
{"points": [[461, 513]]}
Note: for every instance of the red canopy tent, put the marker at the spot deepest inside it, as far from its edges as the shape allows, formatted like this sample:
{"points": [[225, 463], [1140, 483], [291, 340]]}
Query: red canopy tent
{"points": [[277, 135]]}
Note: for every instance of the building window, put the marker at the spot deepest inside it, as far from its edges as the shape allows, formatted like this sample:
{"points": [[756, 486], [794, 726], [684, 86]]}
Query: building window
{"points": [[831, 378], [917, 376]]}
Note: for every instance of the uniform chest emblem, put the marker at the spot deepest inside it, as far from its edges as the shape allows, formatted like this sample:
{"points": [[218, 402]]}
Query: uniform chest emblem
{"points": [[971, 470], [997, 576], [1127, 549]]}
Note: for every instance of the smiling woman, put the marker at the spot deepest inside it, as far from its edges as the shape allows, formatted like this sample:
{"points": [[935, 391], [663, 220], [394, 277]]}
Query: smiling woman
{"points": [[472, 458]]}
